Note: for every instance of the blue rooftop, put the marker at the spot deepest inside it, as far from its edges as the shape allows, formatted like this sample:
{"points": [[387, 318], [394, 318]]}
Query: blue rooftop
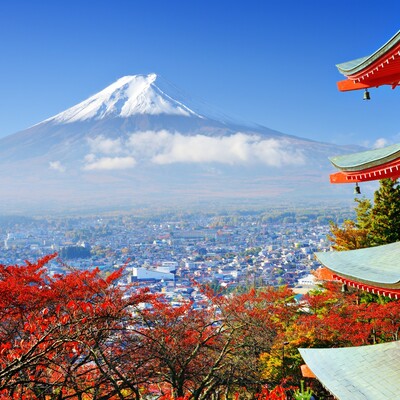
{"points": [[373, 265], [366, 159], [357, 65], [358, 373]]}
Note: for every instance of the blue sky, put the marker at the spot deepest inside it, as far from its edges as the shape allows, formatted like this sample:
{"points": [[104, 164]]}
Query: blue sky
{"points": [[268, 62]]}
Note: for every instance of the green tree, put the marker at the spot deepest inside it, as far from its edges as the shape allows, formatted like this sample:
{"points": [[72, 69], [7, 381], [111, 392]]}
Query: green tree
{"points": [[385, 214], [375, 224]]}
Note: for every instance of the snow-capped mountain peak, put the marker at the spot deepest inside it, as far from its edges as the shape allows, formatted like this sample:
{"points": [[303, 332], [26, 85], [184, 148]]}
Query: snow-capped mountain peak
{"points": [[129, 95]]}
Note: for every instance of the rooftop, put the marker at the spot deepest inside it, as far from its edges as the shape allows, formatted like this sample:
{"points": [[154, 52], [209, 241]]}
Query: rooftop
{"points": [[376, 266], [357, 373], [359, 64], [366, 159], [380, 68]]}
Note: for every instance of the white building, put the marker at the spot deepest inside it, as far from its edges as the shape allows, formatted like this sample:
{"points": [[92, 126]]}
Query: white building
{"points": [[151, 274], [309, 280]]}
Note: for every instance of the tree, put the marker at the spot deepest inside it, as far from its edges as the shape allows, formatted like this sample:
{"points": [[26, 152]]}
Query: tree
{"points": [[51, 330], [348, 237], [184, 347], [72, 252], [216, 349], [260, 318], [354, 234], [375, 224], [385, 214]]}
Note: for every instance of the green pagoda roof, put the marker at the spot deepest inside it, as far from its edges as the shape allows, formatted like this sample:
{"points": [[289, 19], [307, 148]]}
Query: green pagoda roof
{"points": [[355, 66], [357, 373], [376, 266], [366, 159]]}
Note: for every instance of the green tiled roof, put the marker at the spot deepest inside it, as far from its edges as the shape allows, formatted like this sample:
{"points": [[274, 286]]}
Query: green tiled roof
{"points": [[366, 159], [349, 65], [373, 265], [358, 373], [354, 66]]}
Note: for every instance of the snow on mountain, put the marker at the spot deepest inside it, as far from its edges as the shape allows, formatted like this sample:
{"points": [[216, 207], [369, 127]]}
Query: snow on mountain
{"points": [[130, 95]]}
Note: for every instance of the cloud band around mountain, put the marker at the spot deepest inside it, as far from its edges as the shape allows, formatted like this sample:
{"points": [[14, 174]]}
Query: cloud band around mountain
{"points": [[93, 163], [163, 147]]}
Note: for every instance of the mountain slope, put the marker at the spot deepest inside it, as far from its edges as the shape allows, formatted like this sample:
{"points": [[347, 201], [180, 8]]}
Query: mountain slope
{"points": [[134, 142], [128, 96]]}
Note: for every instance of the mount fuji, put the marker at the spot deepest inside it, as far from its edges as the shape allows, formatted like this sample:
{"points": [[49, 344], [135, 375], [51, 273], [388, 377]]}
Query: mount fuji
{"points": [[142, 142]]}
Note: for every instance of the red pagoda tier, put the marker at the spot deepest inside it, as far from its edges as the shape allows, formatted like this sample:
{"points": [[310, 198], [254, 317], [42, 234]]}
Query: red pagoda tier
{"points": [[373, 269], [367, 165], [380, 68]]}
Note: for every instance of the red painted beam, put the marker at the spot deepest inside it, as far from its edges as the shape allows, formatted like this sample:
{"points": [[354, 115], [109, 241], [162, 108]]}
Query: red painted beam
{"points": [[387, 170], [343, 177], [392, 293], [347, 85]]}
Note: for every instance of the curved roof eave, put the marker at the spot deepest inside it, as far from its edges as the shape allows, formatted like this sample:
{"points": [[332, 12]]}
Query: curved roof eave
{"points": [[359, 64], [357, 373], [366, 159], [373, 265]]}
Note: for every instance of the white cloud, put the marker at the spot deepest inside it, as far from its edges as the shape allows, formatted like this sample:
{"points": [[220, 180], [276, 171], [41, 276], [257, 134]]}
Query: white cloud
{"points": [[57, 166], [163, 147], [103, 145], [167, 148], [147, 144], [203, 149], [109, 163], [379, 143]]}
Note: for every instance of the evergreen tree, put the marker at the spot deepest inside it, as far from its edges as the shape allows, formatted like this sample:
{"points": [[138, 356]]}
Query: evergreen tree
{"points": [[363, 213], [375, 224], [385, 214]]}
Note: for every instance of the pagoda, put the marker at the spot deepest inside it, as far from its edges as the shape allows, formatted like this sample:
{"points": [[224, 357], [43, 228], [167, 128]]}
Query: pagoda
{"points": [[374, 269], [373, 371], [380, 68]]}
